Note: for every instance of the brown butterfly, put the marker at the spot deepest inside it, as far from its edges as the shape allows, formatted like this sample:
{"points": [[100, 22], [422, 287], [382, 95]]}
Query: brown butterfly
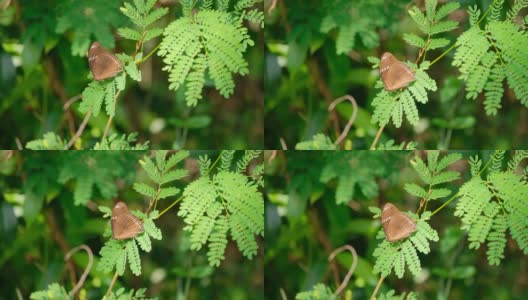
{"points": [[396, 224], [103, 63], [124, 224], [394, 74]]}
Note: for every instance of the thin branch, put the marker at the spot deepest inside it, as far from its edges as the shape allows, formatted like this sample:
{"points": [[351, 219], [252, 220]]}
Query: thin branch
{"points": [[79, 130], [71, 101], [283, 144], [376, 139], [272, 6], [148, 55], [109, 122], [454, 45], [283, 294], [350, 270], [324, 90], [58, 88], [315, 224], [352, 118], [380, 281], [86, 270], [57, 235], [19, 144], [111, 285]]}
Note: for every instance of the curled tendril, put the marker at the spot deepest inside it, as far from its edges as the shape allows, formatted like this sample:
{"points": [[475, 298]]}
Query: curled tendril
{"points": [[350, 120], [350, 270]]}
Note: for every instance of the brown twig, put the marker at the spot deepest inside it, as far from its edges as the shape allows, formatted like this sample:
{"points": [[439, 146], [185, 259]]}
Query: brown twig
{"points": [[59, 89], [352, 118], [324, 90], [80, 130], [380, 281], [86, 270], [350, 270], [272, 6], [111, 285], [283, 144], [323, 239], [71, 101], [283, 294], [376, 139], [107, 127], [56, 232]]}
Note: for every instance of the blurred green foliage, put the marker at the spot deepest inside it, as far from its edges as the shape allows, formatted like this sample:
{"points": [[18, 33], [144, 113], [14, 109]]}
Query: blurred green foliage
{"points": [[305, 222]]}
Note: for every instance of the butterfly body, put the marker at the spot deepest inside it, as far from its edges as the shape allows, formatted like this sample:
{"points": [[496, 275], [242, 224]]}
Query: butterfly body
{"points": [[124, 224], [394, 74], [103, 63], [396, 225]]}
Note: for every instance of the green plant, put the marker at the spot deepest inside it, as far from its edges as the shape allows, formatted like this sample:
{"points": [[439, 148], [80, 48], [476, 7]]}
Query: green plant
{"points": [[491, 206], [394, 105], [487, 56], [209, 40], [222, 203]]}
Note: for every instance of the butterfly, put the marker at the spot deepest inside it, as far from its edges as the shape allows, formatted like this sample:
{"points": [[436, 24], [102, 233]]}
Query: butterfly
{"points": [[124, 224], [103, 63], [394, 74], [396, 224]]}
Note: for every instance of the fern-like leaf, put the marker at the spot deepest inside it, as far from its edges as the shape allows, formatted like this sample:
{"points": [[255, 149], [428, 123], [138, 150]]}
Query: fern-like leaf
{"points": [[208, 41]]}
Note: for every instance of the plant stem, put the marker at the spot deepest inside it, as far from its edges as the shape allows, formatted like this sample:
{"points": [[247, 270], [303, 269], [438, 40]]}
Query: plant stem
{"points": [[380, 281], [79, 130], [453, 46], [111, 285], [179, 199], [148, 55], [378, 135], [109, 122], [170, 206], [214, 164]]}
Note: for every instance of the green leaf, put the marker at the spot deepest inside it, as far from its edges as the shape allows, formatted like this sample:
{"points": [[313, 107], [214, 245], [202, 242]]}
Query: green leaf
{"points": [[92, 96], [133, 71], [50, 141], [439, 193], [414, 40], [443, 177], [152, 33], [415, 190], [129, 33], [173, 175], [144, 189], [144, 242], [151, 229], [168, 192], [133, 257]]}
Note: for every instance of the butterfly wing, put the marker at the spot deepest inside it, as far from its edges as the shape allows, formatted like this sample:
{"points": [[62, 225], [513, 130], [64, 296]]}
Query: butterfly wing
{"points": [[395, 74], [103, 64], [125, 226], [400, 227], [396, 225]]}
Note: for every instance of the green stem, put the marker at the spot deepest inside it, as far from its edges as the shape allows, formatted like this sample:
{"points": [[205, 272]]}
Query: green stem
{"points": [[454, 45], [148, 55], [456, 195], [179, 199], [214, 164], [170, 206]]}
